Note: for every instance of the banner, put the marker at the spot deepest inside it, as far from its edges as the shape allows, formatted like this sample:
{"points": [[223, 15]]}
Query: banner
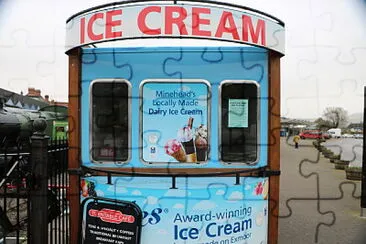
{"points": [[186, 20], [197, 212]]}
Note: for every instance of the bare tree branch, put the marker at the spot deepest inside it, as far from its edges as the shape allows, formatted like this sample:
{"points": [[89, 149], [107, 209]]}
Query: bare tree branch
{"points": [[334, 117]]}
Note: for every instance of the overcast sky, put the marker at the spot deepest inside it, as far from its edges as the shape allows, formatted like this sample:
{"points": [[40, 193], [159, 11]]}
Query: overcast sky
{"points": [[325, 62]]}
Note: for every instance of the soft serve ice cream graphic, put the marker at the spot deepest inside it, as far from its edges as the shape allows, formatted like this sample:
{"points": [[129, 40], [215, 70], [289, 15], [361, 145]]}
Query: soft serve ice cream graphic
{"points": [[185, 136], [200, 142], [191, 145]]}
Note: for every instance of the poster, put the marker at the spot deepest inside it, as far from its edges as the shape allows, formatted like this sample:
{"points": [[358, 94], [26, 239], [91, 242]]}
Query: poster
{"points": [[238, 113], [198, 211], [108, 221], [174, 122]]}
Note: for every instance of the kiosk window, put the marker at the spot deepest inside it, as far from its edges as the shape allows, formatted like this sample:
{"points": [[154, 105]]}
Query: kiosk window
{"points": [[110, 121], [239, 122], [175, 121]]}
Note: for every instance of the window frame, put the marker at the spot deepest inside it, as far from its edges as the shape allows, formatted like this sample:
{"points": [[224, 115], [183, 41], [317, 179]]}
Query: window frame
{"points": [[129, 87], [209, 104], [222, 83]]}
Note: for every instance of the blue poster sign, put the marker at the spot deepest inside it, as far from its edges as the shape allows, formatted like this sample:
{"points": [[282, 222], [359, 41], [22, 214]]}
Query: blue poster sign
{"points": [[174, 121]]}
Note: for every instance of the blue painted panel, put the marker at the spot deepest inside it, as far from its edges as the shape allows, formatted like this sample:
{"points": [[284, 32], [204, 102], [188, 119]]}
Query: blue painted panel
{"points": [[213, 64]]}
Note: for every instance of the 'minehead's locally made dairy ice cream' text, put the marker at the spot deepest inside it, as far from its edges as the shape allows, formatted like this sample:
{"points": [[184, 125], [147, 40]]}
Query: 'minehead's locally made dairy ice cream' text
{"points": [[175, 103], [218, 224]]}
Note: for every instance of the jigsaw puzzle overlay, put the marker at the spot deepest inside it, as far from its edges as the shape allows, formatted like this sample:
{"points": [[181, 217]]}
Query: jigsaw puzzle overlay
{"points": [[165, 74], [314, 51], [320, 189], [328, 74], [316, 199], [172, 70]]}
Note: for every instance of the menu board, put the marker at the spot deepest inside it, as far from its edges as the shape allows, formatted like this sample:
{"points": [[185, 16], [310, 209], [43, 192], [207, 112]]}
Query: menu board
{"points": [[108, 221], [238, 113]]}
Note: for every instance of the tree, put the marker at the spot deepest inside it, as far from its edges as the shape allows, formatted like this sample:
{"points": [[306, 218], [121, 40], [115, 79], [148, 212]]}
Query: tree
{"points": [[335, 117], [323, 124]]}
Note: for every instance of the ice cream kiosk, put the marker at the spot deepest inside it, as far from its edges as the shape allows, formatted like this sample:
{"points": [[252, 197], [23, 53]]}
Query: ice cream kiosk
{"points": [[174, 144]]}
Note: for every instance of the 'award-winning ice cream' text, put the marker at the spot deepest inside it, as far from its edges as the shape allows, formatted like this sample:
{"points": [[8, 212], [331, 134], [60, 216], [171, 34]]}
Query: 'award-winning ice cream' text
{"points": [[215, 226]]}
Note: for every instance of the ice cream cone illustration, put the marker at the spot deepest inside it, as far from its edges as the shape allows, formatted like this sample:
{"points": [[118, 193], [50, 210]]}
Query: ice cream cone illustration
{"points": [[185, 136], [201, 143], [174, 148]]}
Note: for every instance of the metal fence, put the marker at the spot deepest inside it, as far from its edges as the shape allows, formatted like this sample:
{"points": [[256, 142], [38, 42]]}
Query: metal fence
{"points": [[58, 216], [21, 194], [13, 195]]}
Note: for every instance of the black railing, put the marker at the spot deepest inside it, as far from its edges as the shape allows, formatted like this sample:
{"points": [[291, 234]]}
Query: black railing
{"points": [[57, 192], [19, 192], [14, 165]]}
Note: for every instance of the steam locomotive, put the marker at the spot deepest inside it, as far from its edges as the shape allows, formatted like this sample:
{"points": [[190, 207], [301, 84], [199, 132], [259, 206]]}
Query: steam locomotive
{"points": [[16, 129], [16, 125]]}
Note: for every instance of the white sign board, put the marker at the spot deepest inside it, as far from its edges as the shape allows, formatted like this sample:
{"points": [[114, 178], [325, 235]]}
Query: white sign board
{"points": [[238, 113], [186, 20]]}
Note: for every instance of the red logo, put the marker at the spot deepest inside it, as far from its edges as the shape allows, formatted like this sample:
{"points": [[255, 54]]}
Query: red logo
{"points": [[111, 216]]}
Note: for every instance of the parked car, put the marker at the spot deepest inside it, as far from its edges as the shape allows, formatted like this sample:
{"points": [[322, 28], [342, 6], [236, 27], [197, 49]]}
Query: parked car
{"points": [[358, 136], [335, 132], [347, 136], [313, 134], [326, 135]]}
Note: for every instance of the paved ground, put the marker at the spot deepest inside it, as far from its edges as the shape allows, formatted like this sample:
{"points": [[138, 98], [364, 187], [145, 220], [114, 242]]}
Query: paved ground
{"points": [[307, 176]]}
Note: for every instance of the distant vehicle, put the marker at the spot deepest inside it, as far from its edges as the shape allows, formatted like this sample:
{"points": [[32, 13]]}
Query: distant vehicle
{"points": [[335, 132], [358, 136], [312, 134], [347, 136], [326, 135]]}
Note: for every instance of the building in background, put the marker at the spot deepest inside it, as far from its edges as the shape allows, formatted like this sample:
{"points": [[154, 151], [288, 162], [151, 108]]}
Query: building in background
{"points": [[291, 127], [33, 100], [355, 127]]}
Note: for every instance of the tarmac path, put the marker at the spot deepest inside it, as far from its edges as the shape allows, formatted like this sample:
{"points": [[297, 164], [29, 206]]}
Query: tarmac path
{"points": [[317, 203]]}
